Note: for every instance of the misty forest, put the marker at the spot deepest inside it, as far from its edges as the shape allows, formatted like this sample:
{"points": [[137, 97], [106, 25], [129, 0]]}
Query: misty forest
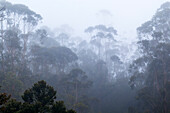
{"points": [[43, 71]]}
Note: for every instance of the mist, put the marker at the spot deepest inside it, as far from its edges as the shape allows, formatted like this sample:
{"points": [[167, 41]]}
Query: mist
{"points": [[84, 56], [79, 14]]}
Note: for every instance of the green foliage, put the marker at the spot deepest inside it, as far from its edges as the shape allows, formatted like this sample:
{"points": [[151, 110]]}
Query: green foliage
{"points": [[39, 99], [58, 107], [12, 106], [3, 100], [40, 94]]}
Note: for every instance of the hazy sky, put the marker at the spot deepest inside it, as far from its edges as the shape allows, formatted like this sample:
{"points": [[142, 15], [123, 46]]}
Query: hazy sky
{"points": [[124, 15]]}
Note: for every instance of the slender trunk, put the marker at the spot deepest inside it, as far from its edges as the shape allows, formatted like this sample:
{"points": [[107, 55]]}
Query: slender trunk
{"points": [[99, 52], [164, 88], [76, 93], [2, 37]]}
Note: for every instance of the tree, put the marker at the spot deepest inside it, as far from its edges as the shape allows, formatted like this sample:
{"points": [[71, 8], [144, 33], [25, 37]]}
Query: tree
{"points": [[100, 35], [150, 72], [18, 15], [12, 51], [3, 99], [58, 57], [12, 85], [158, 24], [63, 37], [12, 106], [41, 98], [59, 107], [40, 94], [74, 89], [38, 99], [20, 20]]}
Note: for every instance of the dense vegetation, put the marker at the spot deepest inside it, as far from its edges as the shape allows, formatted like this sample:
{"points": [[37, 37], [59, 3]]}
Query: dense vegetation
{"points": [[100, 74], [38, 99]]}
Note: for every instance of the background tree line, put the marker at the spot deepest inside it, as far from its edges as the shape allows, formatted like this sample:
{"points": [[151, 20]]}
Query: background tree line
{"points": [[95, 75]]}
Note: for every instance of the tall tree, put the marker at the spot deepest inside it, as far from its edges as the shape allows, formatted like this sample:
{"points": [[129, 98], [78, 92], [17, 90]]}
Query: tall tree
{"points": [[150, 72], [58, 57], [100, 35], [75, 89]]}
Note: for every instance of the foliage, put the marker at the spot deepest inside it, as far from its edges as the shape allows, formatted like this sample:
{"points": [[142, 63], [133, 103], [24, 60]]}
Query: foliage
{"points": [[151, 71], [40, 98]]}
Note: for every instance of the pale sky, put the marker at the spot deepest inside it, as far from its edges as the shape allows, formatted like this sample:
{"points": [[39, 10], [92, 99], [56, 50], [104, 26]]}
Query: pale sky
{"points": [[124, 15]]}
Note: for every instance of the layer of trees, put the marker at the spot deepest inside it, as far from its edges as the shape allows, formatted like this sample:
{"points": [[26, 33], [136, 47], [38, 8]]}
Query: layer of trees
{"points": [[91, 76], [38, 99], [151, 71]]}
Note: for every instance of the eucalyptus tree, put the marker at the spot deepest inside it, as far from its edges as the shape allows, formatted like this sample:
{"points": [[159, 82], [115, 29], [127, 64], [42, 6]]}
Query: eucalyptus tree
{"points": [[19, 16], [118, 67], [18, 22], [74, 90], [12, 85], [12, 51], [42, 38], [2, 8], [63, 38], [100, 35], [54, 58], [150, 72]]}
